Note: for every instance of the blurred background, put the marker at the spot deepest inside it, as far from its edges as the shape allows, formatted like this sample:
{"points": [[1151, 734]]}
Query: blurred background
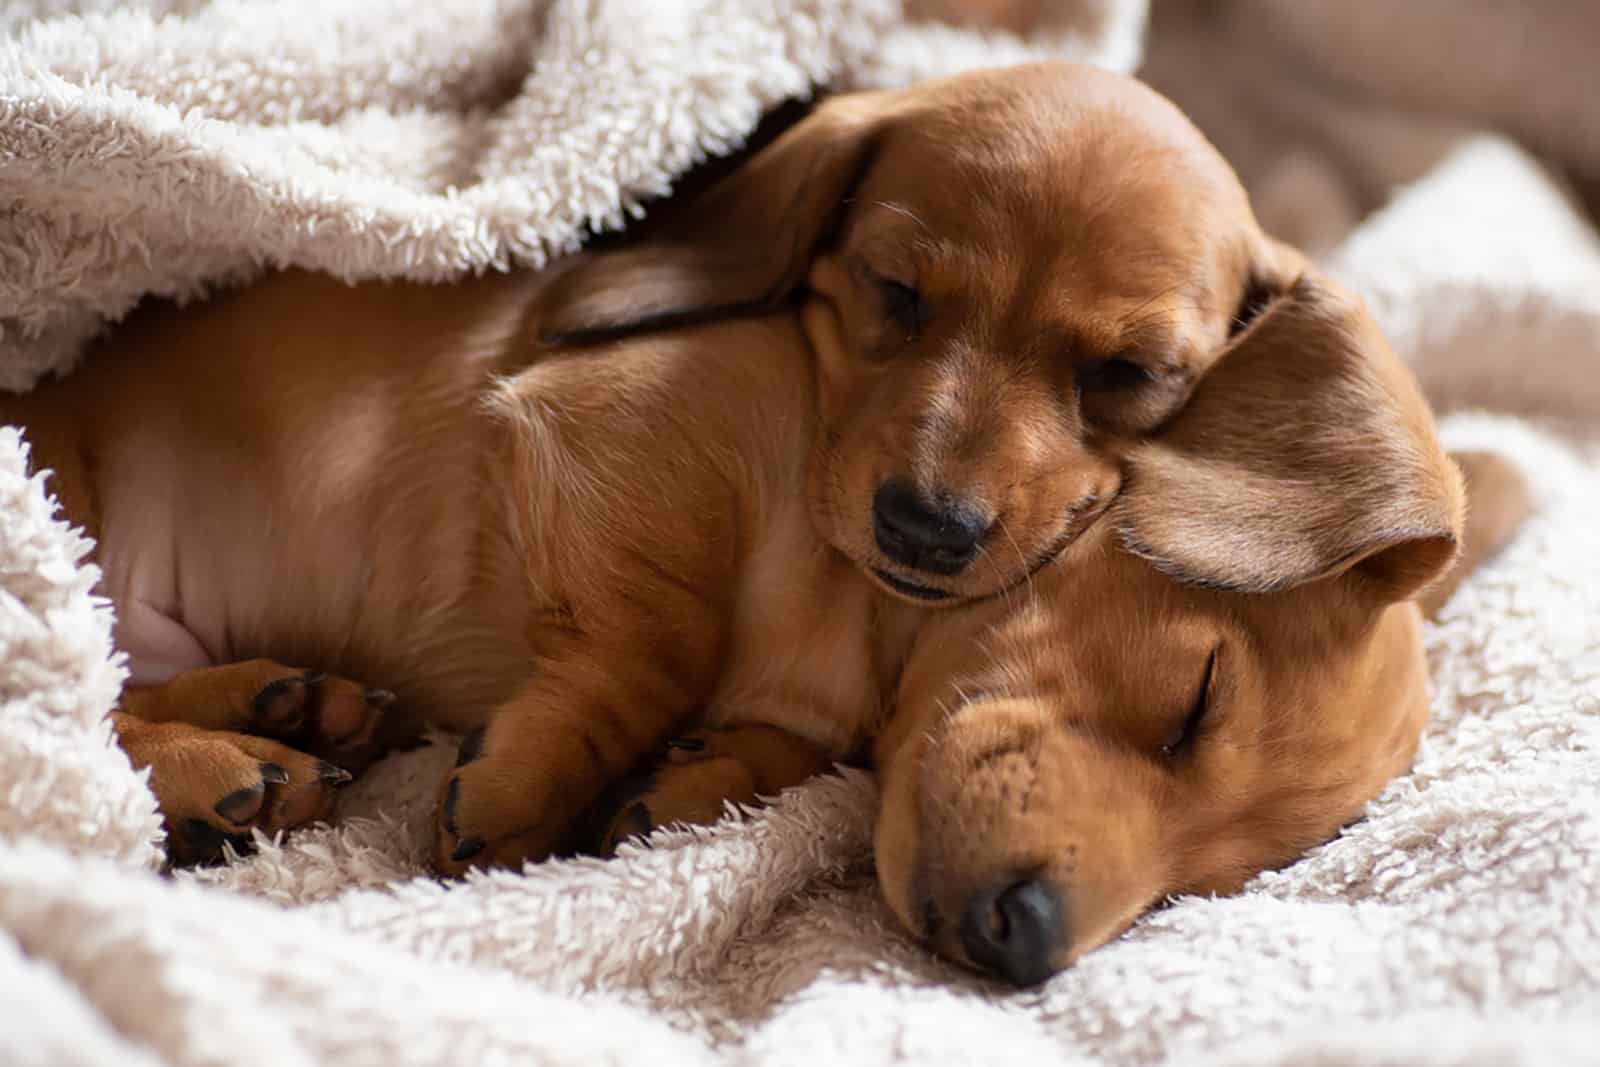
{"points": [[1326, 107]]}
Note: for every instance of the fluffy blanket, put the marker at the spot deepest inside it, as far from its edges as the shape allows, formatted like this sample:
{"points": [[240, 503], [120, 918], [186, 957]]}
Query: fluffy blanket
{"points": [[176, 144]]}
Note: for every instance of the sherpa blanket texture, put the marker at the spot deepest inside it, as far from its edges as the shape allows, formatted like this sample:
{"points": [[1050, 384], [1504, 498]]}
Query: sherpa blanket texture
{"points": [[168, 147]]}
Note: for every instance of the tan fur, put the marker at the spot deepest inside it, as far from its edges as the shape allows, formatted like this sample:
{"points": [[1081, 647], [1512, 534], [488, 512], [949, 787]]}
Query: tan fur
{"points": [[1284, 521], [589, 550], [248, 745], [1053, 220]]}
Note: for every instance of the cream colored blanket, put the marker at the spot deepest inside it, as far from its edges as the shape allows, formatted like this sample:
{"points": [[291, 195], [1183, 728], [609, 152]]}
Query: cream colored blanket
{"points": [[165, 147]]}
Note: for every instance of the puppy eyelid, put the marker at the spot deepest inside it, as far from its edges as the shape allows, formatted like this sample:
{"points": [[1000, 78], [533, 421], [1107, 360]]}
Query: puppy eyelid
{"points": [[1256, 298], [902, 302], [1185, 735], [1111, 373]]}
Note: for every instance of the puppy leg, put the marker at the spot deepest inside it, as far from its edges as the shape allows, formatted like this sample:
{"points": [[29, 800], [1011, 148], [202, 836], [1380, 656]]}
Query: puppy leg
{"points": [[333, 718], [523, 781], [701, 772], [246, 745]]}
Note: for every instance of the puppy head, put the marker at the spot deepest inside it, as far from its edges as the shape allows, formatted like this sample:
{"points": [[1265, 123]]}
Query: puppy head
{"points": [[1205, 685], [1007, 278]]}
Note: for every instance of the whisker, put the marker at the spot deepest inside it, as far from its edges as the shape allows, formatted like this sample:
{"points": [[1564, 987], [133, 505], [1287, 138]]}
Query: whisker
{"points": [[1022, 560], [900, 209]]}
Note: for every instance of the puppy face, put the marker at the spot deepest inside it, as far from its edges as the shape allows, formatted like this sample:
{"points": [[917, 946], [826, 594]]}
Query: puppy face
{"points": [[1063, 778], [1203, 686], [1007, 278]]}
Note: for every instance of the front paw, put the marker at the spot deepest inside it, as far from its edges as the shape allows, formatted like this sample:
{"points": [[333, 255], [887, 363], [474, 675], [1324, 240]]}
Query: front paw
{"points": [[492, 812], [214, 787], [691, 785], [334, 718]]}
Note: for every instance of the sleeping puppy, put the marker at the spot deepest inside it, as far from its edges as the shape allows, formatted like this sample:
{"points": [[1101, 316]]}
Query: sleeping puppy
{"points": [[590, 553], [934, 322], [1207, 683], [1005, 279], [1212, 681]]}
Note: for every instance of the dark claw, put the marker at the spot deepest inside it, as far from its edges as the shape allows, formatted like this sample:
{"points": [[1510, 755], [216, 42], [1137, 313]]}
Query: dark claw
{"points": [[327, 772], [262, 711], [467, 848], [380, 698], [687, 744], [240, 804], [471, 747], [271, 772], [451, 795]]}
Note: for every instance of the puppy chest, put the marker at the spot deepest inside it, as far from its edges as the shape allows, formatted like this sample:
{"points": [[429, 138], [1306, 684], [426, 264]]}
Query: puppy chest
{"points": [[801, 651]]}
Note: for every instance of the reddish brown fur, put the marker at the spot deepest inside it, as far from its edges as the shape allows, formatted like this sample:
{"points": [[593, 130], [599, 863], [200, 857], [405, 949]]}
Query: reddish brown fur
{"points": [[589, 551], [1088, 223], [1283, 523]]}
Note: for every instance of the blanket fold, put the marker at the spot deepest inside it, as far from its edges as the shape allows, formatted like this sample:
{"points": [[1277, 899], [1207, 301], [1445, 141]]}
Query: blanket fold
{"points": [[174, 146]]}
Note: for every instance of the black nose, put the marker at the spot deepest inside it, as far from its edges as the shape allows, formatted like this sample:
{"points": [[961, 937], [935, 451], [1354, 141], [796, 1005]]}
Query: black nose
{"points": [[1016, 932], [938, 535]]}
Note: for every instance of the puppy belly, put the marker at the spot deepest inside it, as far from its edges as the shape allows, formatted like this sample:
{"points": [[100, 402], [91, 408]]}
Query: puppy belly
{"points": [[157, 646]]}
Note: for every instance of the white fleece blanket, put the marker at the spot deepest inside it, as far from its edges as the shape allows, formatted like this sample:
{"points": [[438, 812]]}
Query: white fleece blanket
{"points": [[180, 143]]}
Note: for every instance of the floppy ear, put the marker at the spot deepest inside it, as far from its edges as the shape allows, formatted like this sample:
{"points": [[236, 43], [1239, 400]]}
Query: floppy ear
{"points": [[745, 243], [1307, 451]]}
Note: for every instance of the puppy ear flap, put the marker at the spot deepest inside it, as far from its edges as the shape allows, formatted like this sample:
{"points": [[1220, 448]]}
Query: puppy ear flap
{"points": [[743, 244], [1306, 452]]}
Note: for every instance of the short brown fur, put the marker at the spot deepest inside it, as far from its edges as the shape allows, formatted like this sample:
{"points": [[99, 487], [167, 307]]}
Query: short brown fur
{"points": [[588, 550]]}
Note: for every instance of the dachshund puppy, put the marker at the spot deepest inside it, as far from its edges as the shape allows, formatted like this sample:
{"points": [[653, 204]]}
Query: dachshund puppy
{"points": [[932, 324], [1207, 683], [1005, 278], [971, 312], [1214, 680]]}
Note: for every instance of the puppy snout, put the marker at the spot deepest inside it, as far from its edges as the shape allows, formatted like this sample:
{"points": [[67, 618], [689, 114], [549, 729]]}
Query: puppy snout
{"points": [[1015, 932], [939, 534]]}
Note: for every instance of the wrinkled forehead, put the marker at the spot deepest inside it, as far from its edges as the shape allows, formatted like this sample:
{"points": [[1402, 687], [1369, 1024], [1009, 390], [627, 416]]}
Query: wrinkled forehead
{"points": [[1105, 611], [1101, 630], [1110, 193], [1092, 612], [1101, 617]]}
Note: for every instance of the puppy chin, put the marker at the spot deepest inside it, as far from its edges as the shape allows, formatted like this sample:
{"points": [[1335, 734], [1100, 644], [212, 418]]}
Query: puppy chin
{"points": [[912, 592]]}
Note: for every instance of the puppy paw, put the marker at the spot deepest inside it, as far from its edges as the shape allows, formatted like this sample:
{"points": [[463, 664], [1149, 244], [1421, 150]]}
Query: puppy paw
{"points": [[697, 776], [333, 718], [214, 787], [692, 783], [492, 812]]}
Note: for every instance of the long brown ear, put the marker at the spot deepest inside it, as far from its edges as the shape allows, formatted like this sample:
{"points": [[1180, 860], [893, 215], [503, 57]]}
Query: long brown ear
{"points": [[744, 243], [1307, 451]]}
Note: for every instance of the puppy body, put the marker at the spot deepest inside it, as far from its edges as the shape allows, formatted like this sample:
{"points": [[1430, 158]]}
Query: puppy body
{"points": [[274, 475], [1211, 681], [977, 295], [955, 357], [394, 483], [292, 470]]}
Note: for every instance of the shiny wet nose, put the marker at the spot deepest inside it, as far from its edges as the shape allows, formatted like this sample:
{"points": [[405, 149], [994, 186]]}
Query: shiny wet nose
{"points": [[1015, 933], [939, 535]]}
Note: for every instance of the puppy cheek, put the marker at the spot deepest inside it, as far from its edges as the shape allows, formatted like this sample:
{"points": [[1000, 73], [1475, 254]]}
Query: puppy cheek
{"points": [[897, 840], [895, 853], [1066, 506], [820, 495]]}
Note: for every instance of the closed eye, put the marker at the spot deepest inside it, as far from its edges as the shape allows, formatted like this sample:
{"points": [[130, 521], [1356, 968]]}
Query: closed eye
{"points": [[1182, 739], [904, 304], [1110, 375], [1254, 301]]}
